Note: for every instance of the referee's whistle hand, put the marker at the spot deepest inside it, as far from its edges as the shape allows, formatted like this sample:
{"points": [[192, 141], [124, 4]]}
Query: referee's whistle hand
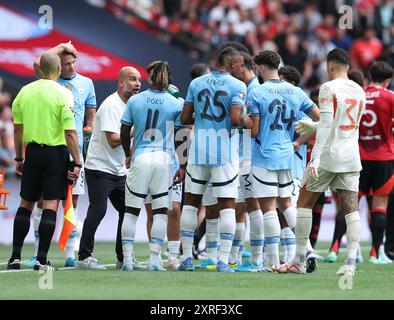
{"points": [[74, 174]]}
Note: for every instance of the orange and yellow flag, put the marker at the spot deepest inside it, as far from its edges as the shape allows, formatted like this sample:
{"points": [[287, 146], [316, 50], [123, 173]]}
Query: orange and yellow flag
{"points": [[70, 220]]}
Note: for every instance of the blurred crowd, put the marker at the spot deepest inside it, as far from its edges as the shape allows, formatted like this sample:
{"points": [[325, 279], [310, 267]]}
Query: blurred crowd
{"points": [[7, 147], [301, 31]]}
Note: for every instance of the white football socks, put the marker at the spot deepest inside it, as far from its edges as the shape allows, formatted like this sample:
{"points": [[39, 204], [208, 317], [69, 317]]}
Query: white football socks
{"points": [[303, 226], [290, 242], [290, 215], [158, 233], [128, 235], [283, 243], [256, 236], [238, 237], [188, 226], [173, 249], [211, 238], [353, 233], [272, 236], [227, 230]]}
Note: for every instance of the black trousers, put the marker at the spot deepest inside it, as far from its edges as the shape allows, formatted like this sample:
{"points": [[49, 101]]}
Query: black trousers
{"points": [[101, 187], [389, 244]]}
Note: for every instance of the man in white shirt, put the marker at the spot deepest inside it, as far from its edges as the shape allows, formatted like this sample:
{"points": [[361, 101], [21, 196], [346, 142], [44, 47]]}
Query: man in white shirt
{"points": [[105, 167], [335, 161]]}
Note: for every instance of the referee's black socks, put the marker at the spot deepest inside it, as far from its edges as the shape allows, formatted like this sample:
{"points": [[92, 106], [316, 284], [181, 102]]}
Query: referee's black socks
{"points": [[21, 229], [45, 234]]}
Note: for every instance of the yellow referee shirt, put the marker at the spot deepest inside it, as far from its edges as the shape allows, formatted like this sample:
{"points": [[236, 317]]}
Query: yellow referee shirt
{"points": [[44, 108]]}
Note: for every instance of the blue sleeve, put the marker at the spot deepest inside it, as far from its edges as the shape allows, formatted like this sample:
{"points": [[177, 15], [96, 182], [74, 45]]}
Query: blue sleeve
{"points": [[190, 94], [252, 103], [300, 116], [127, 117], [306, 103], [178, 124], [91, 99], [239, 94]]}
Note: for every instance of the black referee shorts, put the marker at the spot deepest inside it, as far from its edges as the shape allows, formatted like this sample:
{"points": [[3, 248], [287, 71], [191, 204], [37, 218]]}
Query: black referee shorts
{"points": [[44, 173]]}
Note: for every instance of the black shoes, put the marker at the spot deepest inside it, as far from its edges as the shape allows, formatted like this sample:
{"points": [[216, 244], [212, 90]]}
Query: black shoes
{"points": [[13, 264]]}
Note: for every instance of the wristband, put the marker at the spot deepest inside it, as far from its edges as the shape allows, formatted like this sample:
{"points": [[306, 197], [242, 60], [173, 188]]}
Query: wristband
{"points": [[79, 165], [19, 159]]}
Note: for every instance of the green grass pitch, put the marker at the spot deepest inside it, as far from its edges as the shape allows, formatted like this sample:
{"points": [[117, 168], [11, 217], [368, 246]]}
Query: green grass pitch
{"points": [[370, 281]]}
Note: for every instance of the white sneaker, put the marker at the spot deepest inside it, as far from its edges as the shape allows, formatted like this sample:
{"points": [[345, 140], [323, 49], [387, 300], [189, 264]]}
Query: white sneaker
{"points": [[173, 264], [346, 270], [382, 255], [155, 267], [90, 263], [290, 267], [137, 265], [127, 267], [43, 267]]}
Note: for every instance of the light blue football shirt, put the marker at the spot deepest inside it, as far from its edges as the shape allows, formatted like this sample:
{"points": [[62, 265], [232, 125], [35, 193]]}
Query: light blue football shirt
{"points": [[245, 150], [154, 114], [277, 102], [82, 89], [212, 95]]}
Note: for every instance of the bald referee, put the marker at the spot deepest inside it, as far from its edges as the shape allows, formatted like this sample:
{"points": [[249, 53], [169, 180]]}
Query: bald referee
{"points": [[43, 119]]}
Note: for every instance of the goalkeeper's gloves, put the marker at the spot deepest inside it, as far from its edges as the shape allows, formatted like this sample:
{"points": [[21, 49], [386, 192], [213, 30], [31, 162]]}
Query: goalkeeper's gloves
{"points": [[304, 127]]}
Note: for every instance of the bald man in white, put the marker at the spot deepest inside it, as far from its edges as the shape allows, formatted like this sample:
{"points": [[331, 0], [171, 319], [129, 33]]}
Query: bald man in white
{"points": [[105, 167]]}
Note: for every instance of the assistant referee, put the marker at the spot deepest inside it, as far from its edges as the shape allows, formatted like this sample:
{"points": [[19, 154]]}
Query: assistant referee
{"points": [[43, 119]]}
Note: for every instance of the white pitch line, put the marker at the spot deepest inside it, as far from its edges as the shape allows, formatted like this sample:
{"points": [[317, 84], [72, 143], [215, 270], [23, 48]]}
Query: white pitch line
{"points": [[3, 263]]}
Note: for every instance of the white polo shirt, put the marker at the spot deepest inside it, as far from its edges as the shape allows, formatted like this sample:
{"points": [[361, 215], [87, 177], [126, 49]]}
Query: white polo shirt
{"points": [[100, 155]]}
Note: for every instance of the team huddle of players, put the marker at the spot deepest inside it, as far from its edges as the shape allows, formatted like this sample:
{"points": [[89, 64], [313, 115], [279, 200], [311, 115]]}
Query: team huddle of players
{"points": [[220, 171], [247, 155]]}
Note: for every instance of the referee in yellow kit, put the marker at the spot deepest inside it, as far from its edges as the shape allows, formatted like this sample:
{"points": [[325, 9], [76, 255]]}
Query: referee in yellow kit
{"points": [[43, 119]]}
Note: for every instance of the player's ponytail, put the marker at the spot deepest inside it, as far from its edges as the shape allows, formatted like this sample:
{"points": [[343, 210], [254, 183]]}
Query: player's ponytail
{"points": [[161, 77]]}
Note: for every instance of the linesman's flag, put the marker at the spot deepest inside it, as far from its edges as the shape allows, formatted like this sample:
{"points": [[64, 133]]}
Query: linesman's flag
{"points": [[70, 220]]}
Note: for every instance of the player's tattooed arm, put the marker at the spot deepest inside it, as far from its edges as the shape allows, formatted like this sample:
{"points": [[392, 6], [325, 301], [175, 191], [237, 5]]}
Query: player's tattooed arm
{"points": [[348, 201]]}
